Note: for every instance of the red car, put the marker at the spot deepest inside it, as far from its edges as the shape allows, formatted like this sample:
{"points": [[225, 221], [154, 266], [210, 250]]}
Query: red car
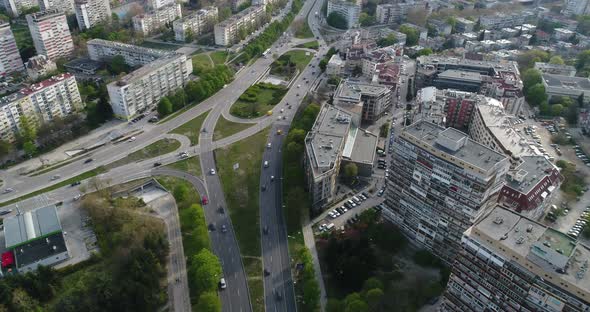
{"points": [[204, 201]]}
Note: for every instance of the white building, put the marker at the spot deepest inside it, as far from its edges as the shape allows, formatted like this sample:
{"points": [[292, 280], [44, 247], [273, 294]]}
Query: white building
{"points": [[92, 12], [12, 107], [10, 60], [250, 19], [573, 87], [39, 66], [151, 22], [142, 89], [335, 66], [555, 69], [15, 7], [156, 4], [104, 50], [196, 23], [51, 34], [61, 5], [576, 7], [350, 10], [394, 13]]}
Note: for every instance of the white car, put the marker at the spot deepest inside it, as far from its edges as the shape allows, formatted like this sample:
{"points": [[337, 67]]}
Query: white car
{"points": [[77, 197], [212, 171], [269, 145], [183, 155], [222, 283], [131, 139]]}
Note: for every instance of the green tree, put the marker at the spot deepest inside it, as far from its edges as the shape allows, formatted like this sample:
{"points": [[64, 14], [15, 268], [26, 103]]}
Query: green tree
{"points": [[530, 77], [180, 193], [556, 60], [545, 109], [165, 107], [205, 270], [117, 65], [412, 35], [383, 130], [29, 148], [387, 41], [189, 36], [425, 52], [556, 109], [351, 170], [23, 302], [311, 295], [536, 94], [5, 148], [527, 59], [367, 20], [209, 302], [336, 20], [374, 297], [28, 129], [583, 59], [371, 283], [334, 305]]}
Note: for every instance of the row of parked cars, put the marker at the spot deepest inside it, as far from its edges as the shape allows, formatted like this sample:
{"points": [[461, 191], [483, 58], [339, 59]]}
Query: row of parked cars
{"points": [[349, 204], [581, 223], [582, 155]]}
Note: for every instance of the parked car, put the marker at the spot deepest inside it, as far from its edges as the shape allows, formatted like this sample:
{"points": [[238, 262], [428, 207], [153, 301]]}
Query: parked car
{"points": [[204, 200]]}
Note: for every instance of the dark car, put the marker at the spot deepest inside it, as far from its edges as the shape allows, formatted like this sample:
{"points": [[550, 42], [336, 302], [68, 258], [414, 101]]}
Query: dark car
{"points": [[75, 183], [5, 212], [264, 187], [211, 227], [88, 160], [157, 164], [223, 229], [266, 272], [265, 229], [220, 209]]}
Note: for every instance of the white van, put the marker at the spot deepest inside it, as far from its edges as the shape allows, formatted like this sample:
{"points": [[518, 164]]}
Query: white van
{"points": [[330, 226], [266, 164]]}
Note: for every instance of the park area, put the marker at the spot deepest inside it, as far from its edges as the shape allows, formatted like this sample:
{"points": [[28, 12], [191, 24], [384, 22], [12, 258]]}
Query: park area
{"points": [[288, 64], [257, 100]]}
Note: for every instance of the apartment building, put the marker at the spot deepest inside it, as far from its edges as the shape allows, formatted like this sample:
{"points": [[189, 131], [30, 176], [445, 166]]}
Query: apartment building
{"points": [[503, 20], [440, 183], [576, 7], [236, 4], [350, 10], [10, 60], [463, 25], [157, 4], [149, 23], [51, 34], [89, 13], [392, 13], [508, 262], [573, 87], [250, 19], [555, 69], [66, 6], [12, 107], [104, 50], [374, 99], [324, 145], [15, 7], [142, 89], [39, 66], [197, 23]]}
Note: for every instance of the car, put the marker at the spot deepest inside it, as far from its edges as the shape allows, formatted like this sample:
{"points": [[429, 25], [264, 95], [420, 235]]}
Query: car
{"points": [[223, 228], [263, 187], [272, 178], [212, 227], [88, 160], [157, 164], [131, 139], [278, 295], [212, 171], [266, 164], [75, 183], [77, 197], [8, 190], [265, 230], [266, 272], [297, 94], [222, 284], [153, 119], [365, 194], [204, 200], [269, 145], [5, 212], [340, 211], [380, 193], [55, 177], [347, 205]]}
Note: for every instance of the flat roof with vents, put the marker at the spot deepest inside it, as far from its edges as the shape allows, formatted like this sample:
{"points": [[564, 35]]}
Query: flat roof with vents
{"points": [[30, 226]]}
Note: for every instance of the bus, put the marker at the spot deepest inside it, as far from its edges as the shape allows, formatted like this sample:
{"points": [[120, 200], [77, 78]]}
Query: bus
{"points": [[266, 53]]}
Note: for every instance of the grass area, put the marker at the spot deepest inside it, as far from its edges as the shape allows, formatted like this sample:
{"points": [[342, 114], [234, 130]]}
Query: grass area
{"points": [[158, 45], [160, 147], [218, 57], [241, 189], [191, 165], [192, 128], [225, 128], [309, 45], [303, 31], [289, 63], [201, 61], [257, 100], [83, 176]]}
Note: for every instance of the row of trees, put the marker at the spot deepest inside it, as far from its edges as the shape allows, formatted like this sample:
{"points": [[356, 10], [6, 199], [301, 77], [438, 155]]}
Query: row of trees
{"points": [[412, 35], [324, 61]]}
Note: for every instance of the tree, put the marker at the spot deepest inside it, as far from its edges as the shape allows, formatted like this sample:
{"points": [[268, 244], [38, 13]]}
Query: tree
{"points": [[22, 302], [531, 77], [366, 19], [556, 60], [189, 36], [311, 295], [205, 270], [351, 170], [334, 305], [583, 59], [30, 148], [28, 129], [556, 109], [117, 65], [336, 20], [374, 297], [387, 41], [527, 59], [165, 107], [180, 193], [412, 35], [209, 302], [371, 283], [425, 52], [5, 148], [536, 94]]}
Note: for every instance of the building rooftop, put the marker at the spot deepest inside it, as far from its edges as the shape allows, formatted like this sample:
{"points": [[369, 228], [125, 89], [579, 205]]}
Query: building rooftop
{"points": [[455, 143], [360, 146], [579, 83], [45, 83], [83, 64], [46, 14], [36, 250], [146, 69], [128, 47], [542, 248], [454, 74], [529, 173], [234, 18], [197, 14], [351, 91], [31, 225], [445, 60], [326, 139]]}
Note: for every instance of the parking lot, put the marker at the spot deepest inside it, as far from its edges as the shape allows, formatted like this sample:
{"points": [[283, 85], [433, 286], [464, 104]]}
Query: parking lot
{"points": [[337, 216]]}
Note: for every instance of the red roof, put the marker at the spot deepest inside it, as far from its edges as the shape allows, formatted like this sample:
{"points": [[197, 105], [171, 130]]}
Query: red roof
{"points": [[7, 259], [45, 83]]}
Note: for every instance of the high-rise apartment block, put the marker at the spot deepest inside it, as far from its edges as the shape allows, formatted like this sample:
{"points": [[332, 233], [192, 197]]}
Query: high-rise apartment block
{"points": [[15, 7], [228, 31], [197, 23], [508, 262], [576, 7], [51, 34], [61, 5], [89, 13], [151, 22], [395, 13], [142, 89], [440, 183], [349, 10], [103, 50], [157, 4], [41, 102], [10, 60]]}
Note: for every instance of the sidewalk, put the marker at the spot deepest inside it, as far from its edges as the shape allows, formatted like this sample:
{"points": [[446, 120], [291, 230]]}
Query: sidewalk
{"points": [[310, 244]]}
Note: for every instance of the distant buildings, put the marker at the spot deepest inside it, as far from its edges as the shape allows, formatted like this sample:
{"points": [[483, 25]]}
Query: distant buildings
{"points": [[368, 101], [349, 10], [151, 22], [394, 13], [195, 24], [440, 183], [142, 89], [10, 60], [61, 5], [576, 7], [51, 34], [39, 66], [502, 20], [508, 262], [157, 4], [556, 69], [104, 50], [89, 13], [15, 7], [246, 21], [463, 25], [573, 87]]}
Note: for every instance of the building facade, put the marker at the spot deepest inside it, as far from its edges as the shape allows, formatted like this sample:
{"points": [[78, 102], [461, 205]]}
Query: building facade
{"points": [[61, 5], [157, 4], [151, 22], [576, 7], [573, 87], [555, 69], [15, 7], [142, 89], [196, 23], [10, 60], [440, 183], [39, 66], [350, 10], [508, 262], [51, 34], [104, 50], [89, 13], [247, 21], [375, 99]]}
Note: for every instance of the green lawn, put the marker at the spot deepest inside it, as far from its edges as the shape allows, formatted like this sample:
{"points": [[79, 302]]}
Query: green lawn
{"points": [[309, 45], [225, 128], [201, 61], [191, 165], [218, 57], [161, 147], [192, 128], [303, 31], [241, 189], [287, 65], [80, 177], [257, 100]]}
